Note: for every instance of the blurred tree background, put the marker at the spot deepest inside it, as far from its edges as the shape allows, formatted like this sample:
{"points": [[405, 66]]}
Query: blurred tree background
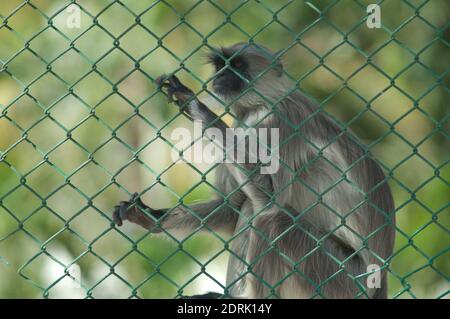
{"points": [[82, 125]]}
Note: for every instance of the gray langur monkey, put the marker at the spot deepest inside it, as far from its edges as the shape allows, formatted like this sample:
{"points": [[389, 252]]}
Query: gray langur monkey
{"points": [[313, 228]]}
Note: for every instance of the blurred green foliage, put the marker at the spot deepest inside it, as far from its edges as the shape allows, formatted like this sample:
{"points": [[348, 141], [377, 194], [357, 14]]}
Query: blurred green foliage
{"points": [[82, 125]]}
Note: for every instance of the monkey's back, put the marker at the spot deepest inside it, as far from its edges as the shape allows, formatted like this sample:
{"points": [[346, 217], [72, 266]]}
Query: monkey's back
{"points": [[334, 187], [333, 181]]}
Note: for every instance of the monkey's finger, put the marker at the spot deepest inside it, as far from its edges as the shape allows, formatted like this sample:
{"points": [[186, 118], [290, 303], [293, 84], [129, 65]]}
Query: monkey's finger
{"points": [[160, 80], [116, 216], [175, 82], [171, 93], [134, 197], [166, 86], [163, 83], [123, 210], [174, 88], [136, 200]]}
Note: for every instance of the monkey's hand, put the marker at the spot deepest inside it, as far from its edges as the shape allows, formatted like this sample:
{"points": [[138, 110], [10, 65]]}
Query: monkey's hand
{"points": [[175, 89], [133, 211]]}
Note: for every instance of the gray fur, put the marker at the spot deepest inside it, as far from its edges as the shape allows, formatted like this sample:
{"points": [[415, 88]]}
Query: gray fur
{"points": [[290, 229]]}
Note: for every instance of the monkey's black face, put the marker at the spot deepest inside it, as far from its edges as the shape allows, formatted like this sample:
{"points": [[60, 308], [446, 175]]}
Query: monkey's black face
{"points": [[230, 78]]}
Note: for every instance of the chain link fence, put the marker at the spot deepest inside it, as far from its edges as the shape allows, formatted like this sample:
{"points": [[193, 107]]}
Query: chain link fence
{"points": [[83, 125]]}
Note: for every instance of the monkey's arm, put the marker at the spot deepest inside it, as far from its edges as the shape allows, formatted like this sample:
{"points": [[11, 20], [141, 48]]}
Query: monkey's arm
{"points": [[241, 172], [215, 214]]}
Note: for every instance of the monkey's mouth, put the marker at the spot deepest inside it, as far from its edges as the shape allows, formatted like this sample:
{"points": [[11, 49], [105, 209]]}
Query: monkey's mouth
{"points": [[226, 89], [220, 90]]}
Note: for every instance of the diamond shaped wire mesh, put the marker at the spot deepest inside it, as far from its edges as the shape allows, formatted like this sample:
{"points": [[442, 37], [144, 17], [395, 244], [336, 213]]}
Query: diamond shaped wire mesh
{"points": [[83, 125]]}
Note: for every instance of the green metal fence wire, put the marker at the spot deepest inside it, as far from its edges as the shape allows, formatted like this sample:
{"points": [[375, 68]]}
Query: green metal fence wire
{"points": [[59, 139]]}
